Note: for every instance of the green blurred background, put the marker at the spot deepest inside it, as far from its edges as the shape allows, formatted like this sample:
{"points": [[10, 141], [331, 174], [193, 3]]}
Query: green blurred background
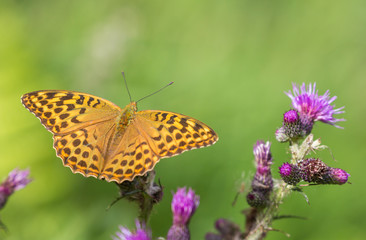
{"points": [[231, 62]]}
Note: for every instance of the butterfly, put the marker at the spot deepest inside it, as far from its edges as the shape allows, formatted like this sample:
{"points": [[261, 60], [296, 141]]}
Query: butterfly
{"points": [[95, 137]]}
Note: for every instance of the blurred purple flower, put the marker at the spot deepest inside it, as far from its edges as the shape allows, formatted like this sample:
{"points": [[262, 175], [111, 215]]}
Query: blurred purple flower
{"points": [[263, 160], [313, 107], [184, 204], [139, 234], [16, 180], [262, 183]]}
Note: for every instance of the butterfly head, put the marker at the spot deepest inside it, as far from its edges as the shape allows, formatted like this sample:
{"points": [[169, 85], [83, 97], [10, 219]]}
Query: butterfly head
{"points": [[132, 107], [128, 114]]}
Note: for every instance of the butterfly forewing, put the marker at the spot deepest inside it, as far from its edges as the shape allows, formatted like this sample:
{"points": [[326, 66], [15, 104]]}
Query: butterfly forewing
{"points": [[81, 125], [92, 138], [66, 111]]}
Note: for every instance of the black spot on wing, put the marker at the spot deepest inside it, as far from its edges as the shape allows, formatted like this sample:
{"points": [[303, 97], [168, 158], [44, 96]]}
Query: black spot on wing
{"points": [[164, 116], [50, 95], [171, 119], [67, 97], [96, 104], [91, 99], [80, 100]]}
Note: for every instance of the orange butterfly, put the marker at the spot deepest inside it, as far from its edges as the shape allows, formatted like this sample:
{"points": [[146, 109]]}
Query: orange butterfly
{"points": [[97, 138]]}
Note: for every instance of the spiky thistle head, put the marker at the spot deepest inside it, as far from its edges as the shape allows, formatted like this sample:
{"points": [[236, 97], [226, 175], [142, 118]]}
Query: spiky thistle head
{"points": [[139, 234], [184, 205], [313, 107]]}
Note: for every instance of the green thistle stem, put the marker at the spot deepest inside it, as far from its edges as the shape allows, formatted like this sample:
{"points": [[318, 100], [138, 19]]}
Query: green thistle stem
{"points": [[145, 205], [143, 191]]}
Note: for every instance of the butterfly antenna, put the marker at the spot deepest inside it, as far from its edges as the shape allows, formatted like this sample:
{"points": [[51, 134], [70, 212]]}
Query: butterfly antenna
{"points": [[155, 92], [128, 91]]}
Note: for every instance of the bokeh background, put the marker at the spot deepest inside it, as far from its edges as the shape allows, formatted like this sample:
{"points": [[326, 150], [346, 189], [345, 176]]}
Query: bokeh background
{"points": [[231, 62]]}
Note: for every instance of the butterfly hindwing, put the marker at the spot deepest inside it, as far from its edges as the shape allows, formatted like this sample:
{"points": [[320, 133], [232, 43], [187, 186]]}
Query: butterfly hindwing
{"points": [[83, 150], [132, 156]]}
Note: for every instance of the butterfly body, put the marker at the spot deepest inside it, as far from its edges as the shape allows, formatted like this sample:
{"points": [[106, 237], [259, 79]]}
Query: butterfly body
{"points": [[97, 138], [127, 115]]}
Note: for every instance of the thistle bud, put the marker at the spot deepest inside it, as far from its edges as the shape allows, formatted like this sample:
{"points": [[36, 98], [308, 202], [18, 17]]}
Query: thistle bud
{"points": [[290, 173], [213, 236], [257, 199], [291, 124], [314, 170], [281, 135], [227, 231], [335, 176]]}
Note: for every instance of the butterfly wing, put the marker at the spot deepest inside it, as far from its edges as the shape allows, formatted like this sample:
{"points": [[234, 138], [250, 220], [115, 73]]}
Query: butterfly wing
{"points": [[171, 133], [66, 111], [153, 135], [82, 125]]}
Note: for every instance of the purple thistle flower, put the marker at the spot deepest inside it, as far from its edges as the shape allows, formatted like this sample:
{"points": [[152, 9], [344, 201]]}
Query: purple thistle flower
{"points": [[263, 159], [262, 183], [313, 107], [139, 234], [16, 180], [262, 152], [184, 204], [290, 173]]}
